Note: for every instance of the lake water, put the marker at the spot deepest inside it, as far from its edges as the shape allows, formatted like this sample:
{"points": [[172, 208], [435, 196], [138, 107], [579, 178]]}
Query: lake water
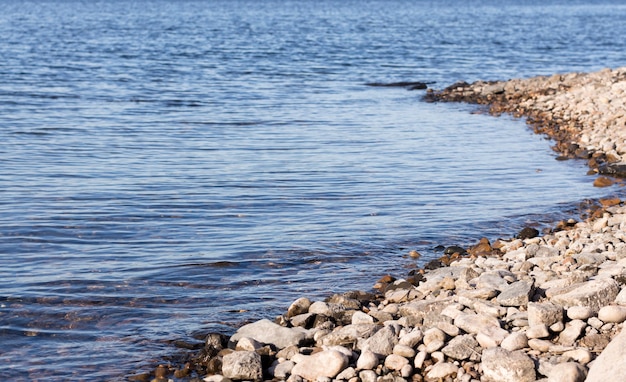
{"points": [[175, 167]]}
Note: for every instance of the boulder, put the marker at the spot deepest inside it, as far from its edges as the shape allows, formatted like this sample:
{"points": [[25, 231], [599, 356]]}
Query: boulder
{"points": [[544, 314], [325, 364], [267, 332], [383, 342], [593, 294], [242, 365], [516, 294], [463, 347], [611, 364], [500, 365]]}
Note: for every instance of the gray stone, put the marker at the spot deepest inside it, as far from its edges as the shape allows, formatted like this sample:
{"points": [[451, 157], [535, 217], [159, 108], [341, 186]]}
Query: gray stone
{"points": [[593, 294], [500, 365], [516, 294], [327, 364], [567, 372], [361, 318], [302, 320], [420, 308], [462, 348], [491, 281], [382, 342], [611, 363], [242, 365], [544, 314], [215, 378], [267, 332], [349, 334]]}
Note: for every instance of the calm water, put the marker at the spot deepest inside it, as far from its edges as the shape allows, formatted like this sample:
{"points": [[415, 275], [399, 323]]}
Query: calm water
{"points": [[167, 163]]}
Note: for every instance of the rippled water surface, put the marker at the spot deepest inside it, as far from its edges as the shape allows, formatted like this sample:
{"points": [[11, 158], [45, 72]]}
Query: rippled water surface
{"points": [[173, 167]]}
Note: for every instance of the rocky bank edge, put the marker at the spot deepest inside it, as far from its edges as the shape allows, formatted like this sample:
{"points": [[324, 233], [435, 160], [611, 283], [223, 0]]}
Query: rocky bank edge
{"points": [[548, 308]]}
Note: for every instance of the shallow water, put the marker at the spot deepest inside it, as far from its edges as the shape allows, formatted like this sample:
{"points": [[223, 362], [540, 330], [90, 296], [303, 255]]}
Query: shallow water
{"points": [[173, 167]]}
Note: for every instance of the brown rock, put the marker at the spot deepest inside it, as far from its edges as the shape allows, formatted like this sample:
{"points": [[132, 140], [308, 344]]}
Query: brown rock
{"points": [[602, 181]]}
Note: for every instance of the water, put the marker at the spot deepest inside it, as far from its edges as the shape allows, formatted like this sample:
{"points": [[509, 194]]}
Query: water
{"points": [[174, 167]]}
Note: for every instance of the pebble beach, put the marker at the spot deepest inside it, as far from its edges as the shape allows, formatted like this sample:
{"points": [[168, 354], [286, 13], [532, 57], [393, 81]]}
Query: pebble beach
{"points": [[541, 306]]}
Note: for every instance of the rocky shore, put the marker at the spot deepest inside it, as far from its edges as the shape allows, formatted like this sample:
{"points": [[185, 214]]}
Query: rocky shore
{"points": [[530, 308]]}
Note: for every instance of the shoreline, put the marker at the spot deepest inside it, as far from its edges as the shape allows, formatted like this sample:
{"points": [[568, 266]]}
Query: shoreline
{"points": [[547, 308]]}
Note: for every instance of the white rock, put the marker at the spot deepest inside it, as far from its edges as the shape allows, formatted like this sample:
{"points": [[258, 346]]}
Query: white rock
{"points": [[242, 365], [442, 370], [368, 376], [395, 362], [361, 318], [580, 355], [515, 341], [500, 365], [300, 306], [282, 370], [347, 374], [404, 351], [327, 363], [579, 312], [412, 338], [538, 331], [248, 344], [367, 360], [612, 313], [267, 332], [567, 372]]}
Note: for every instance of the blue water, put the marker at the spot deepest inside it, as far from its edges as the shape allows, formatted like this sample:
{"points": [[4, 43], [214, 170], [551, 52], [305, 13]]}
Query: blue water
{"points": [[174, 167]]}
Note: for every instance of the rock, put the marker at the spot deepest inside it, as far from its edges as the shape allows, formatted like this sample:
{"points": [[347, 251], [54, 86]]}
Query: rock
{"points": [[368, 376], [404, 351], [462, 348], [282, 370], [242, 365], [611, 363], [320, 308], [527, 233], [412, 338], [327, 364], [538, 331], [612, 313], [593, 294], [267, 332], [420, 308], [361, 318], [247, 344], [348, 334], [567, 372], [572, 331], [367, 360], [442, 370], [347, 374], [516, 294], [473, 323], [580, 355], [500, 365], [544, 314], [382, 342], [210, 378], [418, 362], [300, 306], [579, 312], [395, 362], [515, 341]]}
